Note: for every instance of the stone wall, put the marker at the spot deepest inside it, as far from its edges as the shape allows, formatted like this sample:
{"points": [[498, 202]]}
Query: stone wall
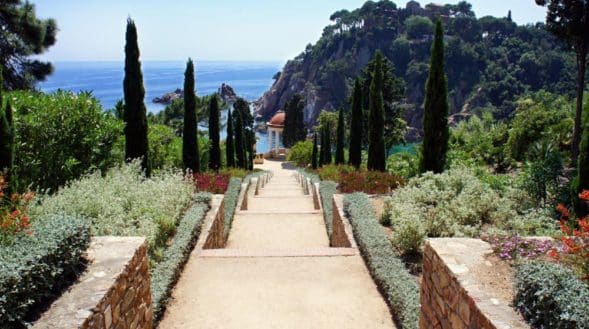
{"points": [[341, 235], [114, 292], [451, 296], [215, 231]]}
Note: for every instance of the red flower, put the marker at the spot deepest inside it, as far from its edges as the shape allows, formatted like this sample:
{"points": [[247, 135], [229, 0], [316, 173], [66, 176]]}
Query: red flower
{"points": [[584, 195]]}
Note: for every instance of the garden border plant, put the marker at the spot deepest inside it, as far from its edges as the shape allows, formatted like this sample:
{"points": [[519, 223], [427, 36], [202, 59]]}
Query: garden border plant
{"points": [[165, 274], [551, 296], [389, 273], [36, 267]]}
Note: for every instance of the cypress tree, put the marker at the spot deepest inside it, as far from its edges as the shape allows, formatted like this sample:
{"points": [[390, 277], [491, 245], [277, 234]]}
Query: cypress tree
{"points": [[326, 144], [250, 149], [7, 147], [190, 155], [239, 140], [435, 116], [214, 138], [229, 147], [356, 126], [341, 135], [294, 122], [136, 144], [376, 146], [581, 182], [314, 154]]}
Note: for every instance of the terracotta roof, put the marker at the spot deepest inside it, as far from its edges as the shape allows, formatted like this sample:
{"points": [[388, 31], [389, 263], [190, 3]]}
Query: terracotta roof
{"points": [[277, 119]]}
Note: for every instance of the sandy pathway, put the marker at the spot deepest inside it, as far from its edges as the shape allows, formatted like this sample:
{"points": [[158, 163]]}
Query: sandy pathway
{"points": [[320, 288]]}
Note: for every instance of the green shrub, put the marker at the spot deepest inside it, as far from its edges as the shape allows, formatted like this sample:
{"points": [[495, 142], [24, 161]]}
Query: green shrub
{"points": [[334, 172], [388, 271], [403, 164], [231, 198], [457, 203], [35, 268], [61, 136], [301, 153], [124, 203], [550, 296], [165, 274], [326, 190]]}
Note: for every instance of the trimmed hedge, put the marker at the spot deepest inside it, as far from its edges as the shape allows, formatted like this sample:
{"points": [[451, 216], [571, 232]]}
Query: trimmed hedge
{"points": [[34, 268], [166, 272], [327, 189], [551, 296], [231, 198], [388, 271]]}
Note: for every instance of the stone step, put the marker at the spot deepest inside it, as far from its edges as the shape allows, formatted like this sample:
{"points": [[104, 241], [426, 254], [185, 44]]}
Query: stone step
{"points": [[277, 204], [266, 253]]}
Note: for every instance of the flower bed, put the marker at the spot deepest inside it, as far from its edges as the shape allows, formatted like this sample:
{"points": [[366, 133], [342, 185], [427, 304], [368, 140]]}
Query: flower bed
{"points": [[215, 183], [388, 271], [35, 267], [231, 198], [350, 180], [166, 273]]}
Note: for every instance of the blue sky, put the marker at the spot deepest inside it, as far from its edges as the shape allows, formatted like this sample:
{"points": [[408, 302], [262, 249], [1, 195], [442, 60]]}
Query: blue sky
{"points": [[248, 30]]}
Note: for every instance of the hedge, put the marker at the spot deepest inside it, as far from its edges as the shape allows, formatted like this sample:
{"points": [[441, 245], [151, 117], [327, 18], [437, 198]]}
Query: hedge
{"points": [[35, 268], [388, 271], [231, 198], [327, 189], [551, 296], [166, 272]]}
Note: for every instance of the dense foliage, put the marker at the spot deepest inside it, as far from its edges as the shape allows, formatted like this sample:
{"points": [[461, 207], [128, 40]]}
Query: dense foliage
{"points": [[136, 142], [36, 267], [231, 198], [60, 137], [7, 145], [24, 36], [550, 296], [165, 274], [301, 153], [491, 61], [394, 281], [124, 202]]}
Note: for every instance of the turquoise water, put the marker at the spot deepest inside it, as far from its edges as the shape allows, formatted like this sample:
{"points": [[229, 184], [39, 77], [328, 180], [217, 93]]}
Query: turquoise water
{"points": [[105, 80]]}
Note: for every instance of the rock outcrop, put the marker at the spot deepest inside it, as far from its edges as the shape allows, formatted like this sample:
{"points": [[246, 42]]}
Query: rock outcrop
{"points": [[227, 94], [168, 98]]}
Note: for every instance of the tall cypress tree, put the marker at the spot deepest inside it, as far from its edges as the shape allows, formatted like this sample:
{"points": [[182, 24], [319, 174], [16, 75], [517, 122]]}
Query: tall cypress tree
{"points": [[435, 116], [214, 138], [190, 155], [314, 154], [294, 121], [239, 140], [229, 147], [250, 140], [356, 126], [326, 144], [581, 182], [341, 135], [136, 144], [376, 146]]}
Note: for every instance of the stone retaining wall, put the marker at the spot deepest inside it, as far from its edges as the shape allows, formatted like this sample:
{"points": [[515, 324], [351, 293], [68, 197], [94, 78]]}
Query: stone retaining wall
{"points": [[450, 294], [341, 235], [215, 231], [114, 292]]}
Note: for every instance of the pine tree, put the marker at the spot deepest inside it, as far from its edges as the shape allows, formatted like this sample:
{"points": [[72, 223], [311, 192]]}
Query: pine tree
{"points": [[239, 140], [229, 147], [435, 116], [356, 127], [376, 145], [341, 135], [136, 144], [214, 138], [314, 163], [190, 155]]}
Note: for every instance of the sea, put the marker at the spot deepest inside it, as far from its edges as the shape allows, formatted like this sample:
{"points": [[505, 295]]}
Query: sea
{"points": [[105, 81]]}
